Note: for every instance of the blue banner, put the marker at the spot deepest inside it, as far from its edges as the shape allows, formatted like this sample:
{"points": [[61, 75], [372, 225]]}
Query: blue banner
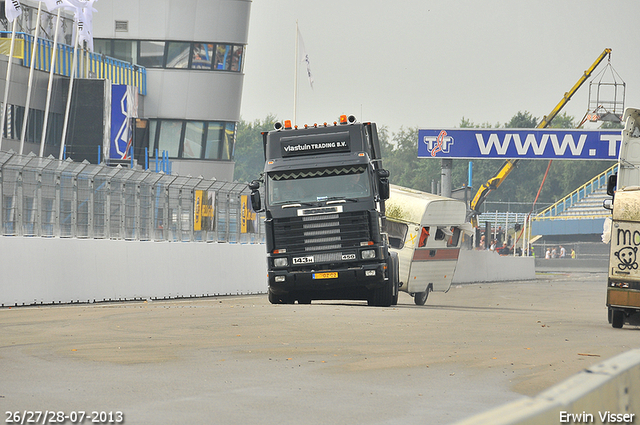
{"points": [[123, 107], [551, 143]]}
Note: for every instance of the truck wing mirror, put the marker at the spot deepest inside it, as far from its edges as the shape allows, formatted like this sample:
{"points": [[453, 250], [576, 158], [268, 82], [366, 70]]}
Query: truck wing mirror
{"points": [[608, 204], [383, 184], [612, 182], [256, 202], [254, 185]]}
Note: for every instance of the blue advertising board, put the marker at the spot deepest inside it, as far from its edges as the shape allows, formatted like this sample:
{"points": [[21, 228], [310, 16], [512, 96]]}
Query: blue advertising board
{"points": [[551, 143], [123, 107]]}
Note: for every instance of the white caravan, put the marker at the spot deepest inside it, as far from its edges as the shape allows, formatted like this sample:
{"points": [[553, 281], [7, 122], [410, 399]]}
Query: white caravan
{"points": [[426, 232]]}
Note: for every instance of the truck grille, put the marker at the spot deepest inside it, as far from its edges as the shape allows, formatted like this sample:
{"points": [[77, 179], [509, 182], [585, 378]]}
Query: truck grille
{"points": [[321, 232]]}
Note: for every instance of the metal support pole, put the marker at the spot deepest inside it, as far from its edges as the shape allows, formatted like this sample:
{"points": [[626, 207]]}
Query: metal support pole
{"points": [[446, 166], [68, 108], [7, 81], [50, 85], [34, 52]]}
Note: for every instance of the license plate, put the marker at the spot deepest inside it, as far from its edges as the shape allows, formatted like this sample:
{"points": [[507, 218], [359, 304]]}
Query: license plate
{"points": [[329, 275]]}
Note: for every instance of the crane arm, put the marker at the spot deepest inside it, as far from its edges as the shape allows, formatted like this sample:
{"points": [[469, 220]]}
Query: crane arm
{"points": [[567, 96], [492, 184], [509, 165]]}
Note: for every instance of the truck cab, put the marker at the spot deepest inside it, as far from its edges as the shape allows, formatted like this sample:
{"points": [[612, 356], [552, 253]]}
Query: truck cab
{"points": [[324, 194]]}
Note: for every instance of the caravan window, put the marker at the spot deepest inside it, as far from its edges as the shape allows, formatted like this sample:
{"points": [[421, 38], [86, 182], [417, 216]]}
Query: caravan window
{"points": [[397, 233], [424, 236], [455, 238]]}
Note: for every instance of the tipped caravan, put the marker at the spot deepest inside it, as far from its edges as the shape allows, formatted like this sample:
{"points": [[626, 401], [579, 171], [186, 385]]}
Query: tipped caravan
{"points": [[426, 232]]}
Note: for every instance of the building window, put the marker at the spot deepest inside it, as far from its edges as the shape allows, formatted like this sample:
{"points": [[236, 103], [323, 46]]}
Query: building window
{"points": [[169, 135], [124, 50], [178, 55], [202, 55], [229, 142], [236, 60], [174, 54], [223, 57], [193, 139], [214, 139], [151, 54], [102, 47]]}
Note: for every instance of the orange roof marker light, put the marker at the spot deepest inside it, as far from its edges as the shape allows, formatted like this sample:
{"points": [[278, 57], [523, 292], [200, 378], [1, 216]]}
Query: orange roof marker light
{"points": [[287, 124], [347, 119]]}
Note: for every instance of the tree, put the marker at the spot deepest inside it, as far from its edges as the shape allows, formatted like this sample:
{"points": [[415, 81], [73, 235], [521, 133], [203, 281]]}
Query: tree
{"points": [[562, 121], [249, 152], [612, 125], [522, 120]]}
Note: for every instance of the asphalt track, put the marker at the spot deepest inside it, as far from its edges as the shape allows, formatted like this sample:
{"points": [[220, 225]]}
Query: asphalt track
{"points": [[240, 360]]}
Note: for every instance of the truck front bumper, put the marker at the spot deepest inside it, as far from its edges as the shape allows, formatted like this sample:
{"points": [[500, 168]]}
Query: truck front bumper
{"points": [[367, 276]]}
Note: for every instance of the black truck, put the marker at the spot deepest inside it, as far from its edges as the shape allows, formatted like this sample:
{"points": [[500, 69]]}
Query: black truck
{"points": [[324, 196]]}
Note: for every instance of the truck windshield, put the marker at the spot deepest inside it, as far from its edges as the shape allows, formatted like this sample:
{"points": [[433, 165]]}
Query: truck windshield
{"points": [[348, 183]]}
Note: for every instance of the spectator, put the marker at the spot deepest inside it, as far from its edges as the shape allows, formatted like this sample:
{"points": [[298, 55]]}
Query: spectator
{"points": [[563, 252], [547, 256], [554, 252]]}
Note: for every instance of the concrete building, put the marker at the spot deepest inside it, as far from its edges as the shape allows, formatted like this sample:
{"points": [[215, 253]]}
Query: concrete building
{"points": [[194, 52], [184, 57]]}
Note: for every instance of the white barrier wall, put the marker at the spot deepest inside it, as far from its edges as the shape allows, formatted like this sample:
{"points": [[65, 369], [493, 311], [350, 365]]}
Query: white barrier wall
{"points": [[59, 270], [63, 270], [488, 266], [609, 390]]}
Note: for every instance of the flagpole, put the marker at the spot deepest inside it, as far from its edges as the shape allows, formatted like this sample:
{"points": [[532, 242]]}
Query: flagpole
{"points": [[295, 79], [7, 81], [50, 86], [68, 108], [34, 51]]}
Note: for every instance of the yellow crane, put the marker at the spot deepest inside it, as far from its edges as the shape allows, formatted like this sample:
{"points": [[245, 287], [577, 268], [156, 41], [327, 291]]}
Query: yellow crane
{"points": [[494, 182]]}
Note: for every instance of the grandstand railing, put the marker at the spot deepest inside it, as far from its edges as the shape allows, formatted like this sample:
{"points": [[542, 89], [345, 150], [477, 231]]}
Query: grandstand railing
{"points": [[46, 197], [598, 182], [88, 64], [497, 219]]}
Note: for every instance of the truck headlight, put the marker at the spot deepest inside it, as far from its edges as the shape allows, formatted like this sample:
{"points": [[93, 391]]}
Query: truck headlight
{"points": [[368, 254], [281, 262]]}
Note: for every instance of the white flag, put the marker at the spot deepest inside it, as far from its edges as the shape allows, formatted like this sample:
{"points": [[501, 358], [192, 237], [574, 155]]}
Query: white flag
{"points": [[305, 58], [55, 4], [84, 18], [12, 9], [87, 18]]}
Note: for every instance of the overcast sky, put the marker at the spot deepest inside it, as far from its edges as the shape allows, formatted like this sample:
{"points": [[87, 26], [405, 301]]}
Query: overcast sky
{"points": [[427, 64]]}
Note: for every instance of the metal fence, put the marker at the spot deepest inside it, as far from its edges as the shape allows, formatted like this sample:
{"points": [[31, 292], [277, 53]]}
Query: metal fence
{"points": [[46, 197]]}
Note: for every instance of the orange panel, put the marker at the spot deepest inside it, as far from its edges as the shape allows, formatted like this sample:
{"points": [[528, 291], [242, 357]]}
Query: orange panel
{"points": [[438, 254], [623, 297]]}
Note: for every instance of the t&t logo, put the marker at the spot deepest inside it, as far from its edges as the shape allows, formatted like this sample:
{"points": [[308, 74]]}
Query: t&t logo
{"points": [[440, 143]]}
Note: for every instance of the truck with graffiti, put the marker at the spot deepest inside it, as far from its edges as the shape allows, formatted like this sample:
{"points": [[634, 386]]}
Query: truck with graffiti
{"points": [[623, 230]]}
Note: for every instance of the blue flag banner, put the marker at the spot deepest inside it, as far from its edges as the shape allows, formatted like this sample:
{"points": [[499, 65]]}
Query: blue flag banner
{"points": [[551, 143]]}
